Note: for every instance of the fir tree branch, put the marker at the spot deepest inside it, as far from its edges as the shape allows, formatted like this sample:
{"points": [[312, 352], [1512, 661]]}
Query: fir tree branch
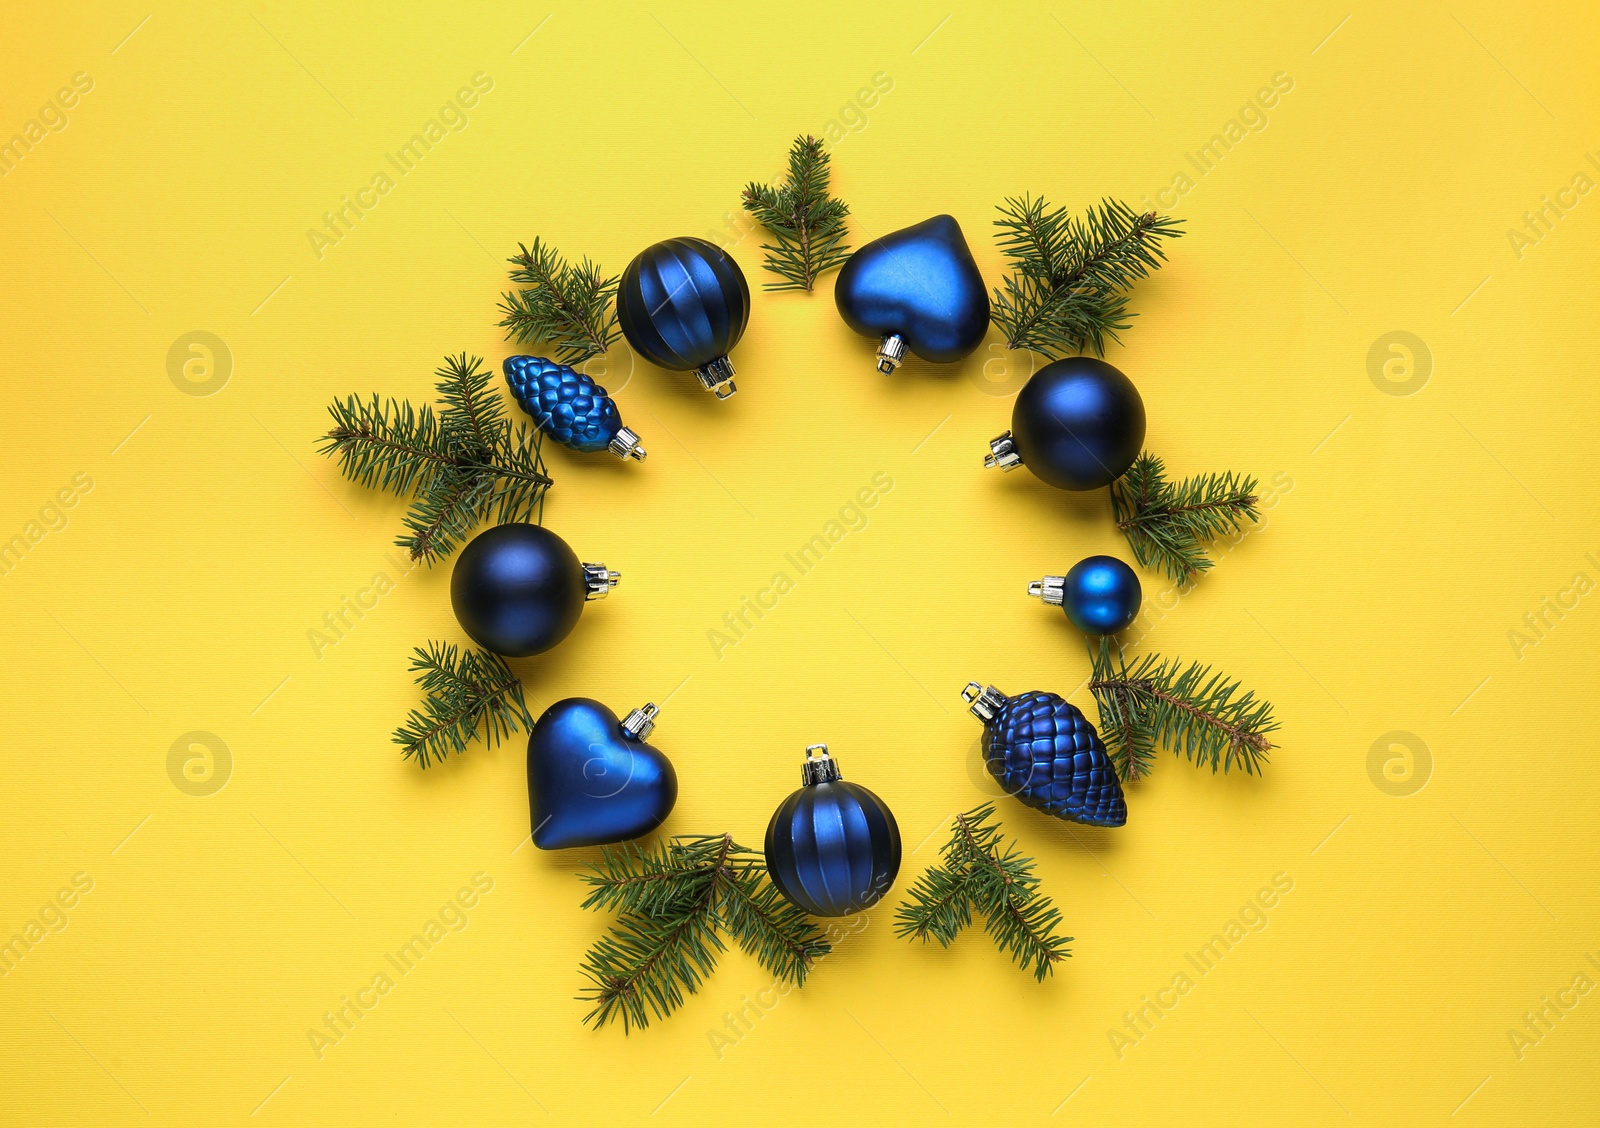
{"points": [[462, 466], [768, 925], [1167, 524], [568, 307], [470, 695], [938, 906], [806, 223], [673, 899], [1195, 712], [633, 879], [1067, 292], [646, 964], [384, 444], [978, 870]]}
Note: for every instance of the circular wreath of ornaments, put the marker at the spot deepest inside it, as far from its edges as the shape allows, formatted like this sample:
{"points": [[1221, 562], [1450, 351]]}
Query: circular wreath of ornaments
{"points": [[832, 848]]}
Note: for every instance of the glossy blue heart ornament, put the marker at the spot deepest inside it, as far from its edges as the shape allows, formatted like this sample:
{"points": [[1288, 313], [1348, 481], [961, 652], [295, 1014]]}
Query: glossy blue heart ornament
{"points": [[917, 289], [592, 779]]}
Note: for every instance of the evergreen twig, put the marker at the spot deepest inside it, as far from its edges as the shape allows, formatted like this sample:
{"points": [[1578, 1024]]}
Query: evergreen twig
{"points": [[980, 872], [568, 307], [462, 465], [1167, 523], [673, 900], [806, 223], [470, 695], [1067, 292], [1156, 701]]}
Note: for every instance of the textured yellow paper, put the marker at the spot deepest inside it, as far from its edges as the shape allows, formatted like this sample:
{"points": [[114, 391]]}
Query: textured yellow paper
{"points": [[208, 629]]}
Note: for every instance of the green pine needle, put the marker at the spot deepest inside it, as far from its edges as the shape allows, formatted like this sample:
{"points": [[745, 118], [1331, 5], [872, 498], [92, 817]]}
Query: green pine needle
{"points": [[673, 900], [981, 873], [461, 466], [568, 307], [470, 696], [1067, 292], [1167, 524], [807, 224], [1191, 709]]}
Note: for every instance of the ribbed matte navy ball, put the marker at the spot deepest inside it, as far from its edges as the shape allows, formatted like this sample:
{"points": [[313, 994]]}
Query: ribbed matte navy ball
{"points": [[1078, 423], [833, 847], [517, 589], [1044, 751], [683, 304]]}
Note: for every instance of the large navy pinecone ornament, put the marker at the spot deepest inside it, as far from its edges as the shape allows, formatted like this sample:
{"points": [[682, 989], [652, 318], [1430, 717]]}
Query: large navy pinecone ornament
{"points": [[1047, 754], [570, 407]]}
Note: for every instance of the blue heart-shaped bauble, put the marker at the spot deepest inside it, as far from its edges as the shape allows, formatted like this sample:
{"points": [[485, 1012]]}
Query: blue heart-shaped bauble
{"points": [[921, 284], [590, 782]]}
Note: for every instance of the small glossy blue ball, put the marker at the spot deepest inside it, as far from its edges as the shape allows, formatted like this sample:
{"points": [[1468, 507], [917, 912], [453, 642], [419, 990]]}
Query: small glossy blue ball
{"points": [[1102, 595]]}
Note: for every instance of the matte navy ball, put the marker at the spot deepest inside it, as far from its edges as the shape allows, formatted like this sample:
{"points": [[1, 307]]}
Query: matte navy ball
{"points": [[1101, 595], [591, 781], [683, 304], [1078, 423], [833, 847], [517, 589], [920, 284]]}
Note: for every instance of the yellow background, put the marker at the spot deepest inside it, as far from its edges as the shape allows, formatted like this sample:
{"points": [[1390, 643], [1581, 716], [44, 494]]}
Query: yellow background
{"points": [[1414, 535]]}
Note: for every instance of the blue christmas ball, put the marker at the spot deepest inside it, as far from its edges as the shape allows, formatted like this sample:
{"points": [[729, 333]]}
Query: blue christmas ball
{"points": [[569, 406], [1044, 751], [592, 779], [1077, 424], [1101, 595], [917, 289], [833, 847], [683, 304], [518, 589]]}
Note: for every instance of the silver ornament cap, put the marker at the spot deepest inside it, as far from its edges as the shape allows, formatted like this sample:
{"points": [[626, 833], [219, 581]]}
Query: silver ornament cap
{"points": [[1003, 453], [1051, 589], [598, 580], [891, 353], [640, 723], [717, 376], [819, 767], [625, 445], [984, 701]]}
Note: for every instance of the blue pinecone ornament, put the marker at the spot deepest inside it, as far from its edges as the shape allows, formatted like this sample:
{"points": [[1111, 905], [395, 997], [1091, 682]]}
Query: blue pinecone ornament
{"points": [[570, 407], [1047, 754]]}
